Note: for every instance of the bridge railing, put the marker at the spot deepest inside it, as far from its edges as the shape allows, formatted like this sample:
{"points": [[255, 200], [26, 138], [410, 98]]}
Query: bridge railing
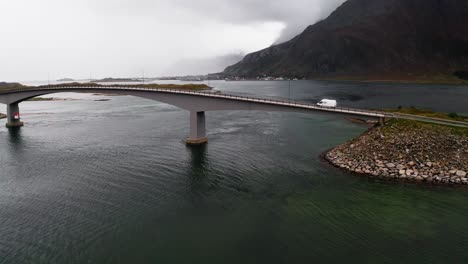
{"points": [[215, 94]]}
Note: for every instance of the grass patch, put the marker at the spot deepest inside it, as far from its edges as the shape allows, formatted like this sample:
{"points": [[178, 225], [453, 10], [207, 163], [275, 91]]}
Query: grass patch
{"points": [[40, 99], [10, 86], [404, 125], [428, 113]]}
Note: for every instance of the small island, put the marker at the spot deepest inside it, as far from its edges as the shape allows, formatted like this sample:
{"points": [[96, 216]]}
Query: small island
{"points": [[65, 80], [116, 80], [192, 87], [47, 99], [189, 87], [408, 151]]}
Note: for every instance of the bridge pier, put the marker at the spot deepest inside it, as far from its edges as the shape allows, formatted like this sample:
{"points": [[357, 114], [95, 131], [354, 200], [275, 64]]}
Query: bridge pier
{"points": [[197, 129], [13, 116]]}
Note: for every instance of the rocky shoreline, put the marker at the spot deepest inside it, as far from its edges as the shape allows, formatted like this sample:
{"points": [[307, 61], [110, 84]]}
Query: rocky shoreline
{"points": [[407, 151]]}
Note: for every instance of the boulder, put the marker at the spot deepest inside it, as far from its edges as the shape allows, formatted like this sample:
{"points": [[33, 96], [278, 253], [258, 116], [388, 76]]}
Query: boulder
{"points": [[400, 167]]}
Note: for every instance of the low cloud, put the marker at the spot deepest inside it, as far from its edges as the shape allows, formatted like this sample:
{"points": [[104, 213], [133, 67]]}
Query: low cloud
{"points": [[79, 38]]}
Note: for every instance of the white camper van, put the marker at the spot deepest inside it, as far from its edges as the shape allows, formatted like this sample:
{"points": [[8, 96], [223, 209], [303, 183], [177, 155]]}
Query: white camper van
{"points": [[327, 103]]}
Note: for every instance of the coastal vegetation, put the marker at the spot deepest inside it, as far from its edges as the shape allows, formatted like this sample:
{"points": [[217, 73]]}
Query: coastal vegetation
{"points": [[41, 99], [7, 86], [117, 80], [428, 113], [46, 99], [404, 150]]}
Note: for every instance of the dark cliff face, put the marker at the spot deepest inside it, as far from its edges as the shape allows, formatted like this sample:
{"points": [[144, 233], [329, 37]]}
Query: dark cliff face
{"points": [[371, 37]]}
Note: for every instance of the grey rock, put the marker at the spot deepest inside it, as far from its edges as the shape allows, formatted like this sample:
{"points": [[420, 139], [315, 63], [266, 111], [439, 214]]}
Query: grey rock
{"points": [[400, 167], [419, 179]]}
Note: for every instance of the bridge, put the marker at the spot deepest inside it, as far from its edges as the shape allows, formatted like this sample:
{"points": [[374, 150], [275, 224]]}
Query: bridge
{"points": [[196, 102]]}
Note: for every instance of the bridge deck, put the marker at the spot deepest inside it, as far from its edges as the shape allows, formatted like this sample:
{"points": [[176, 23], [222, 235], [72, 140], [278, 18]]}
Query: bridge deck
{"points": [[266, 101], [287, 103]]}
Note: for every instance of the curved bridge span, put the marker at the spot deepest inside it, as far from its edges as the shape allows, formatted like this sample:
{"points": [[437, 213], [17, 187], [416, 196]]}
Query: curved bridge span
{"points": [[196, 102]]}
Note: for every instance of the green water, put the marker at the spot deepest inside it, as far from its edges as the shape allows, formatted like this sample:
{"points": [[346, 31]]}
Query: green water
{"points": [[113, 182]]}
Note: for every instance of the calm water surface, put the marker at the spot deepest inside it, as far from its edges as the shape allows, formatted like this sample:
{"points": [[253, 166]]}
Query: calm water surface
{"points": [[113, 182]]}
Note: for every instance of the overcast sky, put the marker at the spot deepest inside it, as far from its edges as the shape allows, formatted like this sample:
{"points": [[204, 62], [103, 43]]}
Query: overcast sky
{"points": [[124, 38]]}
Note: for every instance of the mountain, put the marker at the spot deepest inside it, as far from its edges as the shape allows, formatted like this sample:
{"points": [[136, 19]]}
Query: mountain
{"points": [[377, 38]]}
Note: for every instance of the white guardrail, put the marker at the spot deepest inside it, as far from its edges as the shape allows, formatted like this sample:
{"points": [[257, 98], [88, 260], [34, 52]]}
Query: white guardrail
{"points": [[290, 103]]}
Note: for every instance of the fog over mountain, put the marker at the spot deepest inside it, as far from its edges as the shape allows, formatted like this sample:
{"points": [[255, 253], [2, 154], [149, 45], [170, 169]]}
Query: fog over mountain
{"points": [[296, 14], [79, 38], [203, 66]]}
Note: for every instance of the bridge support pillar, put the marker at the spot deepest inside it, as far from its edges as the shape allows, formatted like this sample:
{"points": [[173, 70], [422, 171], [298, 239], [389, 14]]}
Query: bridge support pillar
{"points": [[13, 116], [197, 129]]}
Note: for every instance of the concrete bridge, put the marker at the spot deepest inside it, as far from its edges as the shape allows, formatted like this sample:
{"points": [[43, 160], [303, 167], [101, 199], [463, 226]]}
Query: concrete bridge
{"points": [[196, 102]]}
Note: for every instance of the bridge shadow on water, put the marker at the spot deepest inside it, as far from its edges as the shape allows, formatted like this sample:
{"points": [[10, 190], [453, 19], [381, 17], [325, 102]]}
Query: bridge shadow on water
{"points": [[15, 138], [198, 161], [200, 180]]}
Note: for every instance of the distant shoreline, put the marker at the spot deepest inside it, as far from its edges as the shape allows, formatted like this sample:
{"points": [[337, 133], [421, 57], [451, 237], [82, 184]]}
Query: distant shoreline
{"points": [[389, 81], [436, 79], [5, 87], [396, 81], [41, 99]]}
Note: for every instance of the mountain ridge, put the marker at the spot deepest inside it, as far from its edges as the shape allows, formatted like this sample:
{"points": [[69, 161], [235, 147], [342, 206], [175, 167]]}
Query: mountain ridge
{"points": [[371, 38]]}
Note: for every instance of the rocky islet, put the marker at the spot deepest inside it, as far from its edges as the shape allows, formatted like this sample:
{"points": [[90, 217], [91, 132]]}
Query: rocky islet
{"points": [[407, 151]]}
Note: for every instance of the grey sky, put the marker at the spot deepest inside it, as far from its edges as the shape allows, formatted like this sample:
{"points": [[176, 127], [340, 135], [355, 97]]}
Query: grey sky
{"points": [[79, 38]]}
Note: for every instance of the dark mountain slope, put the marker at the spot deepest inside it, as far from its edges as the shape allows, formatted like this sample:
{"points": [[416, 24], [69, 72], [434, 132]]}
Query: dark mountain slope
{"points": [[371, 37]]}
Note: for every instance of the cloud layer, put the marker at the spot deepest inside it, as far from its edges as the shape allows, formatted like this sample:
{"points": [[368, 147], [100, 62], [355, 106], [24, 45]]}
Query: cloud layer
{"points": [[79, 38]]}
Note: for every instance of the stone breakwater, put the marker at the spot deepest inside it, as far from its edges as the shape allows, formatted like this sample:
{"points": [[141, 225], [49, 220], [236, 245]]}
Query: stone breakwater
{"points": [[407, 151]]}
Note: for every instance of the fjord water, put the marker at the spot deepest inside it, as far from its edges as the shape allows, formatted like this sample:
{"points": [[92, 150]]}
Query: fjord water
{"points": [[112, 182]]}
